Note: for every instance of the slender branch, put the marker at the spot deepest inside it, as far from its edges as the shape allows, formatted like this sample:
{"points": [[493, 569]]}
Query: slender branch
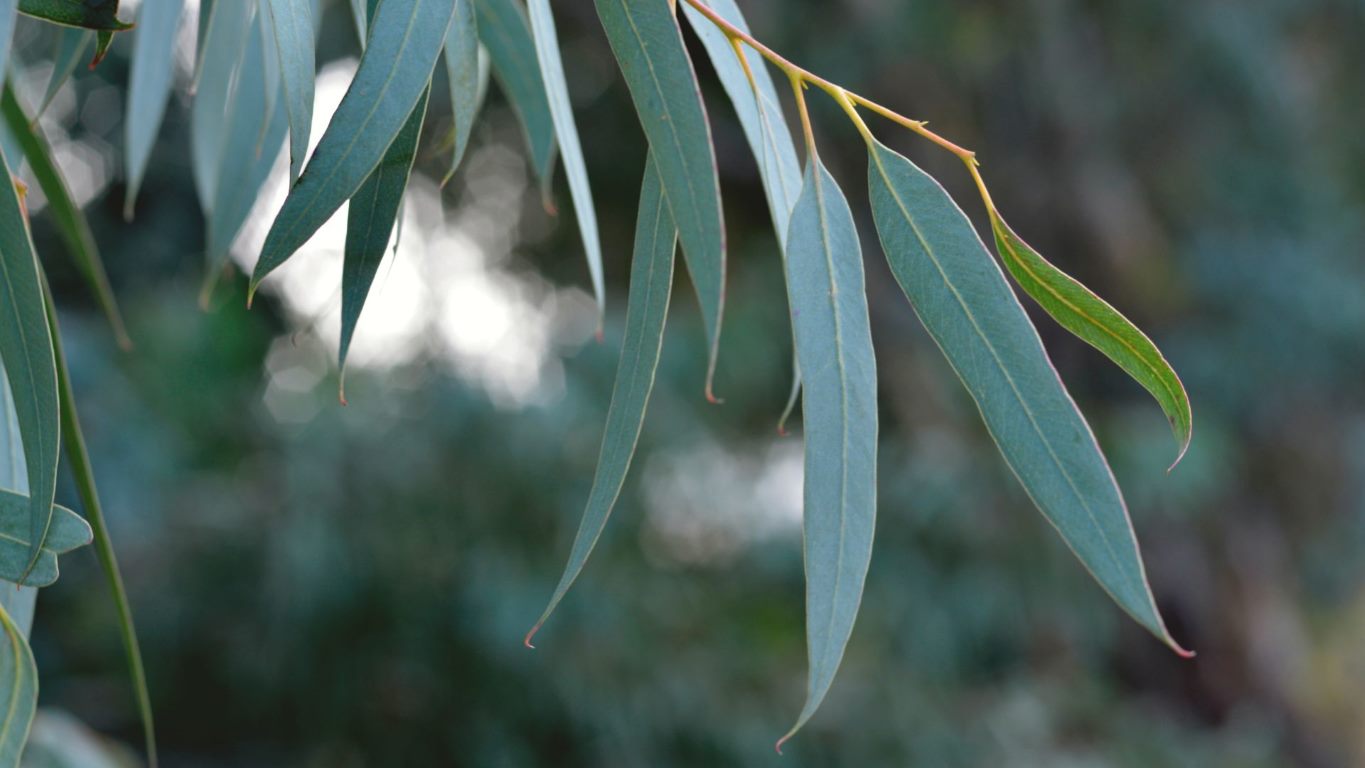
{"points": [[73, 441], [799, 88]]}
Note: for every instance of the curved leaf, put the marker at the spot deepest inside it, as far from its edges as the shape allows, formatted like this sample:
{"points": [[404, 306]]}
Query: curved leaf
{"points": [[834, 351], [292, 21], [649, 49], [406, 36], [26, 349], [369, 225], [18, 691], [222, 48], [86, 14], [71, 223], [1097, 323], [962, 298], [557, 91], [506, 33], [149, 88], [70, 46], [651, 284], [18, 601], [68, 532], [462, 72]]}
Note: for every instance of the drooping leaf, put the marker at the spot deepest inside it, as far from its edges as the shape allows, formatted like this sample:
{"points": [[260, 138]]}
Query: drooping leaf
{"points": [[370, 223], [149, 88], [270, 58], [649, 49], [9, 10], [26, 349], [360, 15], [19, 602], [292, 21], [78, 459], [100, 15], [406, 37], [249, 148], [651, 284], [18, 692], [1101, 326], [834, 350], [68, 532], [462, 72], [71, 223], [506, 33], [557, 90], [962, 298], [223, 46], [71, 45]]}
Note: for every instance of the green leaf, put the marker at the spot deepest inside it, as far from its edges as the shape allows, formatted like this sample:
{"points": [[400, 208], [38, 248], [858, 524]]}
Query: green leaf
{"points": [[223, 46], [963, 300], [68, 532], [71, 45], [26, 349], [100, 15], [462, 71], [292, 21], [78, 458], [651, 284], [557, 90], [18, 601], [506, 33], [71, 223], [149, 88], [649, 49], [18, 692], [9, 10], [1097, 323], [369, 225], [834, 349], [406, 37], [360, 14]]}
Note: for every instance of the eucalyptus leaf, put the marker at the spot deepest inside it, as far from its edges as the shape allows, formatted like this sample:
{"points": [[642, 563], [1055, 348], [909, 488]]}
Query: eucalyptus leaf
{"points": [[557, 91], [649, 49], [461, 56], [370, 223], [100, 15], [651, 285], [18, 692], [26, 349], [71, 45], [19, 602], [149, 88], [9, 11], [406, 37], [68, 532], [72, 226], [223, 46], [1097, 323], [962, 298], [506, 34], [292, 22], [839, 405]]}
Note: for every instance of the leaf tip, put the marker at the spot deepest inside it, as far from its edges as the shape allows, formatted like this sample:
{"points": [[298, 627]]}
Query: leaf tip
{"points": [[526, 641]]}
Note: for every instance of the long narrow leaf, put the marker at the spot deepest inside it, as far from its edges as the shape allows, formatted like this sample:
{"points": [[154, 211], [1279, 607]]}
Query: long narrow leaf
{"points": [[78, 459], [9, 11], [462, 72], [86, 14], [651, 284], [406, 37], [149, 88], [71, 223], [292, 21], [222, 48], [557, 90], [68, 532], [26, 349], [962, 298], [649, 49], [19, 602], [18, 692], [506, 33], [1092, 319], [370, 222], [834, 349], [71, 45]]}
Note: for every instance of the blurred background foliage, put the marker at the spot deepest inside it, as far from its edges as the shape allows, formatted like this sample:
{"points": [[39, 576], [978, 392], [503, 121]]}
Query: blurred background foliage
{"points": [[325, 586]]}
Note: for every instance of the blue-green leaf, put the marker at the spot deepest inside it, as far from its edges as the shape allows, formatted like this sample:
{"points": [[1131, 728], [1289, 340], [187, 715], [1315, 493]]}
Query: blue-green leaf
{"points": [[557, 90], [18, 691], [406, 37], [68, 532], [222, 47], [506, 33], [649, 49], [19, 602], [651, 284], [462, 72], [360, 14], [87, 14], [292, 21], [962, 298], [70, 46], [369, 225], [834, 350], [26, 349], [9, 11], [149, 87], [71, 223]]}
